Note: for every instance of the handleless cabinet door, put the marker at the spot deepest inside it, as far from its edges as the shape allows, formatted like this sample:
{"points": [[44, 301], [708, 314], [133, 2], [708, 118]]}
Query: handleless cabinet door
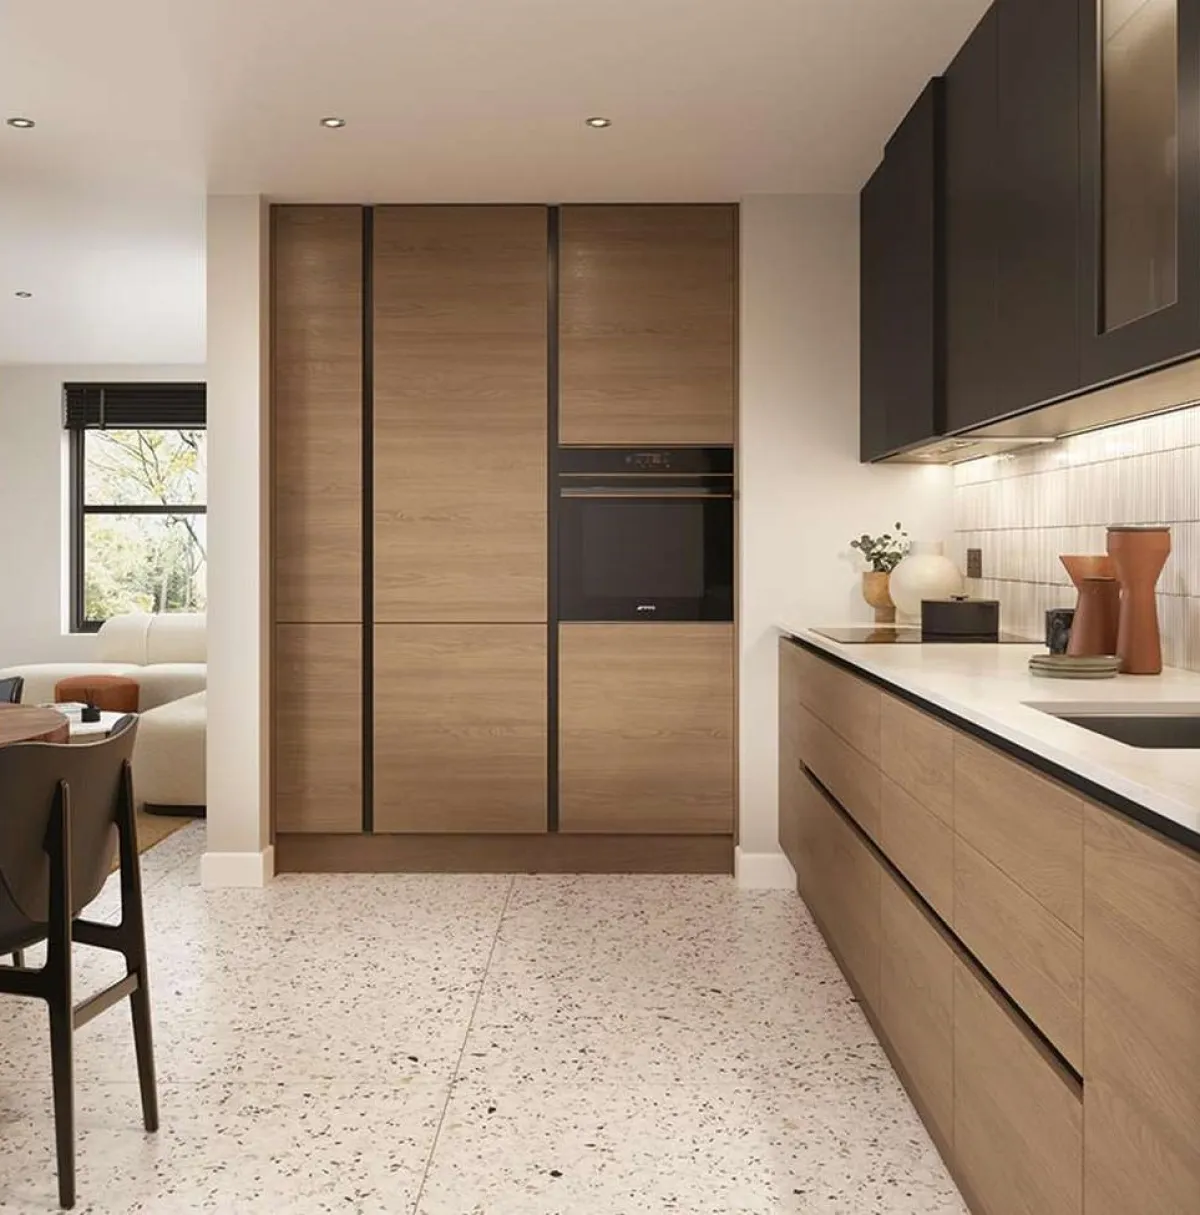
{"points": [[317, 281], [460, 728], [1141, 1060], [318, 727], [647, 323], [646, 728], [461, 414]]}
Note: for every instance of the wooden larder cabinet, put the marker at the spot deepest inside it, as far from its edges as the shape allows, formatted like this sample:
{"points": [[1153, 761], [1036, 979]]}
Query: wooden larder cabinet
{"points": [[647, 324], [317, 413], [460, 414]]}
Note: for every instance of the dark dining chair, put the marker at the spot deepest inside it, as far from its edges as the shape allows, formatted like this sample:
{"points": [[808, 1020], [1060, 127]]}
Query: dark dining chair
{"points": [[60, 807], [11, 689]]}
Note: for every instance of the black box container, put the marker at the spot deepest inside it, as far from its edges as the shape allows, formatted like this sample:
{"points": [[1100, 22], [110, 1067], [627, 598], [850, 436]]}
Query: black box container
{"points": [[960, 619]]}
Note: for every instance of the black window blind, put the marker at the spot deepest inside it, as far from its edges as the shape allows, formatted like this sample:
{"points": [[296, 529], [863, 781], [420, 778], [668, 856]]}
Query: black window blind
{"points": [[177, 406]]}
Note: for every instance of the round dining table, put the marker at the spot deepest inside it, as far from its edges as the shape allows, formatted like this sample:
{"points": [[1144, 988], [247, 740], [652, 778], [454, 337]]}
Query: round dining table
{"points": [[28, 723]]}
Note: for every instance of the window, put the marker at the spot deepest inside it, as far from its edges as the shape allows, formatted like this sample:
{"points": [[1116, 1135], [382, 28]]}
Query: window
{"points": [[138, 462]]}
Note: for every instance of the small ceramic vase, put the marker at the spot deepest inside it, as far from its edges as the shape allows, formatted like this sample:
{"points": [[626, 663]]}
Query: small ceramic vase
{"points": [[1139, 554], [875, 592], [1098, 610], [926, 573]]}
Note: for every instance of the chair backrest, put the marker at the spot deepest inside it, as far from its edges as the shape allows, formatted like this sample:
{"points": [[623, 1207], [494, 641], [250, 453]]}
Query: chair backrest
{"points": [[29, 777], [11, 689]]}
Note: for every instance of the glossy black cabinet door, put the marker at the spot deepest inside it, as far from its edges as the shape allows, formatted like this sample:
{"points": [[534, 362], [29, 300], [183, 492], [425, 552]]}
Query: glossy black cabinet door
{"points": [[901, 396], [971, 228], [1037, 302], [1140, 185]]}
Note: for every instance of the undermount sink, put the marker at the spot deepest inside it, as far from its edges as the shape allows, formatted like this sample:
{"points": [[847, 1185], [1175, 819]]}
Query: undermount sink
{"points": [[1153, 729]]}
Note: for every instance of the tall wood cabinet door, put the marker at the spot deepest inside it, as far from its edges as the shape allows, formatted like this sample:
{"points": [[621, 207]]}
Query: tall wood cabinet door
{"points": [[646, 728], [318, 727], [461, 413], [460, 728], [647, 323], [1141, 1064], [317, 273]]}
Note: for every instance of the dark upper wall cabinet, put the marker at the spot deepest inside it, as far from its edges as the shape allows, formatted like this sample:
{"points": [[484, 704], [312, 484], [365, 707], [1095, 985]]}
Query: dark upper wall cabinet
{"points": [[971, 246], [1012, 212], [1140, 184], [901, 288]]}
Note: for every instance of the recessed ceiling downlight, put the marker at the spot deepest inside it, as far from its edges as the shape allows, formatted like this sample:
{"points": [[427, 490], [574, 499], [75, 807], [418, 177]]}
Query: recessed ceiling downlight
{"points": [[598, 123], [22, 124], [333, 123], [23, 295]]}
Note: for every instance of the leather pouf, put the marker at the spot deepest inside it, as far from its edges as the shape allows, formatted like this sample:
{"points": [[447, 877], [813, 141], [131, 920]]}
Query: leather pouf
{"points": [[109, 693]]}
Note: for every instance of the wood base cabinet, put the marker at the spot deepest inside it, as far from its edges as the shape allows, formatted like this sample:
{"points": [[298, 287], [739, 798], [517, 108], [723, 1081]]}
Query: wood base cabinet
{"points": [[318, 728], [646, 728], [460, 728]]}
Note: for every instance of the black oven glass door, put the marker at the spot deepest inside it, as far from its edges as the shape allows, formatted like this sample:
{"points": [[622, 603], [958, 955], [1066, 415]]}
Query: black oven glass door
{"points": [[651, 557]]}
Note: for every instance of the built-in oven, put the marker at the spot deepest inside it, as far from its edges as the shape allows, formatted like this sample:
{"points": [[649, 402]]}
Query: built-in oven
{"points": [[645, 533]]}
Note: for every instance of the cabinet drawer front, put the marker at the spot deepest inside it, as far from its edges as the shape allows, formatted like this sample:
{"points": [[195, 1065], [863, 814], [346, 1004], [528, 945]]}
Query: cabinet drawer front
{"points": [[1142, 975], [850, 892], [1025, 824], [852, 779], [917, 752], [1018, 1120], [849, 706], [1031, 954], [916, 1001], [920, 845]]}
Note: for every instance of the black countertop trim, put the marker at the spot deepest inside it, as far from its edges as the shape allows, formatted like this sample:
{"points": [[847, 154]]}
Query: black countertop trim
{"points": [[1081, 784]]}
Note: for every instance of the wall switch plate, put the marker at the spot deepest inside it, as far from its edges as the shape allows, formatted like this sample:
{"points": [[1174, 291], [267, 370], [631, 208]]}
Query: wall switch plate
{"points": [[974, 563]]}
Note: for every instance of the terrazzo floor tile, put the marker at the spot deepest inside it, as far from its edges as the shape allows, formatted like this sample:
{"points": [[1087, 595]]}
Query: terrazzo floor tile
{"points": [[449, 1043], [626, 1147], [232, 1148]]}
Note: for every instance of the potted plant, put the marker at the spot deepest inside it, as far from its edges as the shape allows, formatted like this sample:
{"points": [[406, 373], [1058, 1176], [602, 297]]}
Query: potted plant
{"points": [[883, 553]]}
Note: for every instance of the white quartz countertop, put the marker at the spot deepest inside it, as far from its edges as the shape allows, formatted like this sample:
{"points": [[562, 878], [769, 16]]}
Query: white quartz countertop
{"points": [[990, 687]]}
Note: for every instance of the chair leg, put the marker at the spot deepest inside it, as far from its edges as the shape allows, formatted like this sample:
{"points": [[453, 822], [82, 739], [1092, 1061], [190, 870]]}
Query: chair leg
{"points": [[19, 958], [60, 994], [133, 925], [62, 1056]]}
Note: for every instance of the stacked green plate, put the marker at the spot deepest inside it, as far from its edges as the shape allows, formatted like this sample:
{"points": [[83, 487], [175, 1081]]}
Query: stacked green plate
{"points": [[1062, 666]]}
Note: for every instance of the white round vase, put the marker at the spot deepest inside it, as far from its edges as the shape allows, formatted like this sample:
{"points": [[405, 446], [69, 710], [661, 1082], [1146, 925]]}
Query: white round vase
{"points": [[926, 573]]}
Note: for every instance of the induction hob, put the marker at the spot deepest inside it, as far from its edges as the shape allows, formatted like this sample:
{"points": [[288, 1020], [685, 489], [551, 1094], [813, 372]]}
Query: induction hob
{"points": [[888, 634]]}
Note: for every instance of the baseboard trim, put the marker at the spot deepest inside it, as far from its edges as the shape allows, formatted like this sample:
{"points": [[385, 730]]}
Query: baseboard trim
{"points": [[231, 870], [763, 870], [550, 853]]}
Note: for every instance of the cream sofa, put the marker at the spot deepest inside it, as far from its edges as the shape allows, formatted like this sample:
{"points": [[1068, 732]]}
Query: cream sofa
{"points": [[167, 657]]}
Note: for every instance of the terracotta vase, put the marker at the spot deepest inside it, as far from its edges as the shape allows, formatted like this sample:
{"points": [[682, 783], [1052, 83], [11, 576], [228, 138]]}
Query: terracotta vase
{"points": [[1098, 610], [1139, 554], [876, 593]]}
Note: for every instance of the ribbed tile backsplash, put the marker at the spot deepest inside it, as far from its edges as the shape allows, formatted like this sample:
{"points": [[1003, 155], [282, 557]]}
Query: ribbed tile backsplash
{"points": [[1025, 508]]}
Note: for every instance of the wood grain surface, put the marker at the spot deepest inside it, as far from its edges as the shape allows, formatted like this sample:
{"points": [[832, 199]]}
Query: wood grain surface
{"points": [[460, 414], [316, 407], [648, 321], [646, 728], [460, 728], [28, 723], [318, 727]]}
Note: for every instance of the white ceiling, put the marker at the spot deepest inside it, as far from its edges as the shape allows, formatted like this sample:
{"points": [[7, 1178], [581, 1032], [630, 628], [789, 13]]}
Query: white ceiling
{"points": [[143, 106]]}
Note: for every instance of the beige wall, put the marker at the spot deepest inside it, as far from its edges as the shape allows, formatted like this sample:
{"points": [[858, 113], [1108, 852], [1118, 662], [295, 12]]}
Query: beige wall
{"points": [[803, 492], [34, 506], [238, 529]]}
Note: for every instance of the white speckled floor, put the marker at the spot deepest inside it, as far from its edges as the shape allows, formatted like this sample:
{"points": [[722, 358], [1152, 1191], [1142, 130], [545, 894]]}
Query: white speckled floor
{"points": [[441, 1045]]}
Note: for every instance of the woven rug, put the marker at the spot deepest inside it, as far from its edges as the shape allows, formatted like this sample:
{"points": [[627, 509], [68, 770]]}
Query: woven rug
{"points": [[152, 829]]}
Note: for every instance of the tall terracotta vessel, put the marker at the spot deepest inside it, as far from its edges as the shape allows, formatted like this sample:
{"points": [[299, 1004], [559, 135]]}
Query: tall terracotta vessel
{"points": [[1098, 611], [1139, 554]]}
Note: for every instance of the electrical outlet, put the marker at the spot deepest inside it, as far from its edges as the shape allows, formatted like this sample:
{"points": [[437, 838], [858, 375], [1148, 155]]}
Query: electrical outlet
{"points": [[974, 563]]}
